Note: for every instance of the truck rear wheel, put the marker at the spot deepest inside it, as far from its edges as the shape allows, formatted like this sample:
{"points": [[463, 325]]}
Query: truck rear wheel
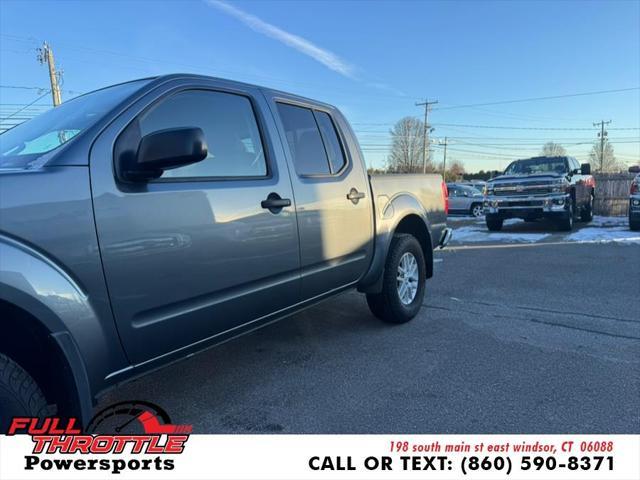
{"points": [[494, 224], [634, 223], [20, 396], [403, 283]]}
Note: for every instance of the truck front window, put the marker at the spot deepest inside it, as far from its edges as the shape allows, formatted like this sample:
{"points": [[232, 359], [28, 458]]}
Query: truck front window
{"points": [[537, 165]]}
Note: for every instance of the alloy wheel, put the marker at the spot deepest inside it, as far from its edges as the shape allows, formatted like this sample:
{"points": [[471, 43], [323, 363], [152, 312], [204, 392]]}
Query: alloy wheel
{"points": [[407, 278]]}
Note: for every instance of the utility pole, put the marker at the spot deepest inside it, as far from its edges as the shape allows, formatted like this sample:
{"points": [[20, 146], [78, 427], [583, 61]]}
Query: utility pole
{"points": [[427, 105], [444, 161], [45, 55], [603, 134]]}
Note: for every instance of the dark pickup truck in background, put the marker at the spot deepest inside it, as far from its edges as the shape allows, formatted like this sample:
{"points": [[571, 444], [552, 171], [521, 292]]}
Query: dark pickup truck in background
{"points": [[149, 220], [557, 188]]}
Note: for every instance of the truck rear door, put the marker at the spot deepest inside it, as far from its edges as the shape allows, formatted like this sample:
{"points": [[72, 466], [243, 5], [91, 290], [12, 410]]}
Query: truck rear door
{"points": [[331, 188], [196, 252]]}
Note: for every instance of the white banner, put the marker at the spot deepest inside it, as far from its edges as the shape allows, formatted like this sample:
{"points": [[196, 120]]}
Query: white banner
{"points": [[318, 457]]}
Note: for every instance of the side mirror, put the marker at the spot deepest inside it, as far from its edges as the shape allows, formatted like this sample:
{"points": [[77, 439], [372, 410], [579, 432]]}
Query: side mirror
{"points": [[585, 169], [167, 149], [634, 169]]}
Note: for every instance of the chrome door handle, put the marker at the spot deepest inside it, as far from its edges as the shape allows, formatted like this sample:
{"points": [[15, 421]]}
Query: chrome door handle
{"points": [[355, 196]]}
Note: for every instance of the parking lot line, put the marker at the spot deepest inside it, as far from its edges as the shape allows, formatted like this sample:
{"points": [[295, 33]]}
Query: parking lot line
{"points": [[521, 245]]}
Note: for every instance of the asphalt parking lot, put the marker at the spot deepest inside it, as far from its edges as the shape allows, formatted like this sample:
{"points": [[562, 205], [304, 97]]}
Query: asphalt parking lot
{"points": [[520, 335]]}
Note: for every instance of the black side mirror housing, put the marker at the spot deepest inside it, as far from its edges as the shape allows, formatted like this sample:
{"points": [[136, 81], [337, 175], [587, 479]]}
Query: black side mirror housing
{"points": [[585, 169], [166, 149]]}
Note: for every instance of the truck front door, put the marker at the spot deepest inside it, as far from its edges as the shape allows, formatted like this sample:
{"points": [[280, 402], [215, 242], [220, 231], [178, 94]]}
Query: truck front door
{"points": [[195, 253]]}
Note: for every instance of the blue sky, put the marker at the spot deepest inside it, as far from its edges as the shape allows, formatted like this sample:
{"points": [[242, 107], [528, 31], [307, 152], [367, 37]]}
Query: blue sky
{"points": [[373, 60]]}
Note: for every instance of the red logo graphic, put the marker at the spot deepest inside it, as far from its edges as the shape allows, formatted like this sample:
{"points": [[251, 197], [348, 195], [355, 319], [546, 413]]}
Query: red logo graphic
{"points": [[135, 427]]}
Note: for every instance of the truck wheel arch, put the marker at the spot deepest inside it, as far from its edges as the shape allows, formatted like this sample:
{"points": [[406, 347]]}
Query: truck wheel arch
{"points": [[48, 358], [414, 225]]}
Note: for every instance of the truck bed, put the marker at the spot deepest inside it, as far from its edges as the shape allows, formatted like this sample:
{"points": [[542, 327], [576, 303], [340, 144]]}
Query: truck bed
{"points": [[426, 189]]}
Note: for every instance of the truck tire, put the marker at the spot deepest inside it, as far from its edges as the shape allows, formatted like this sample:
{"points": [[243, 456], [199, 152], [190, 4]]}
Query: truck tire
{"points": [[565, 223], [634, 224], [403, 282], [476, 210], [494, 224], [587, 211], [20, 396]]}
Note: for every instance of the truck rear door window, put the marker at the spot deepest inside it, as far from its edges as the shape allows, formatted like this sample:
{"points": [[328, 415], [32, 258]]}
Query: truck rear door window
{"points": [[331, 141], [304, 139]]}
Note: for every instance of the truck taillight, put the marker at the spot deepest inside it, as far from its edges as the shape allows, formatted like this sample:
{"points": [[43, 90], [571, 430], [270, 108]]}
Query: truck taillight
{"points": [[445, 197], [635, 188]]}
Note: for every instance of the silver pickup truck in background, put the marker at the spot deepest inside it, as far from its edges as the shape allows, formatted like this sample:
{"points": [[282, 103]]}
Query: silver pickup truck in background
{"points": [[152, 219]]}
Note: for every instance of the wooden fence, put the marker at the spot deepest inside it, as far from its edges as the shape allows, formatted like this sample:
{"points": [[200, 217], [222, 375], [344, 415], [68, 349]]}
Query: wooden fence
{"points": [[612, 193]]}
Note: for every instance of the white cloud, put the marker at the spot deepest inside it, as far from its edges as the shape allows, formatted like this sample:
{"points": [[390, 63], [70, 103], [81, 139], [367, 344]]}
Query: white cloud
{"points": [[327, 58]]}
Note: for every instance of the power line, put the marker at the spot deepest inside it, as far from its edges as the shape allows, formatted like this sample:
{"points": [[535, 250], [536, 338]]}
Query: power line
{"points": [[21, 87], [18, 111], [591, 129], [385, 133], [502, 127], [532, 141], [535, 99]]}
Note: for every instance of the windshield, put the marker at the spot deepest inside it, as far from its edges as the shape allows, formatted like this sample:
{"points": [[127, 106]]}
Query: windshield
{"points": [[537, 165], [28, 141], [471, 190]]}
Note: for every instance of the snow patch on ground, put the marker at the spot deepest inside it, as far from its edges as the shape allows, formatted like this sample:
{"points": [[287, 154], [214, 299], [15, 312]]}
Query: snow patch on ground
{"points": [[480, 220], [599, 221], [474, 234], [604, 235], [451, 218], [512, 221], [600, 230]]}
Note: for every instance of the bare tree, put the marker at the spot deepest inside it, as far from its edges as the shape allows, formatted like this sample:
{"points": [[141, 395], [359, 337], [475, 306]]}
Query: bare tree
{"points": [[455, 170], [407, 147], [607, 162], [552, 149]]}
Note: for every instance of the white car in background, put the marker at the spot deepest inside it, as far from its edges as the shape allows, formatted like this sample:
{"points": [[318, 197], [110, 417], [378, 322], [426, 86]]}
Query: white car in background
{"points": [[465, 199]]}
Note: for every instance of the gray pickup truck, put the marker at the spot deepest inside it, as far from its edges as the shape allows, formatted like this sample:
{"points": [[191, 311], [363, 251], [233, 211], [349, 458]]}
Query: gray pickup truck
{"points": [[149, 220]]}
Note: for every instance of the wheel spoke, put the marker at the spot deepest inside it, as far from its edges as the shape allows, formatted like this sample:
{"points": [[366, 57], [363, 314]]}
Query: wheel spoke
{"points": [[407, 278], [403, 289]]}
